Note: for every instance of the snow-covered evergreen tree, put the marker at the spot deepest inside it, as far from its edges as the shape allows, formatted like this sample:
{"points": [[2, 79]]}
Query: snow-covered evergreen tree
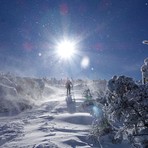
{"points": [[125, 113], [144, 70]]}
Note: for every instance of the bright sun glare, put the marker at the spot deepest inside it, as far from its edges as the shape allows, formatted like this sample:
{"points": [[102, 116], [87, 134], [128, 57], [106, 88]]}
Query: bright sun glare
{"points": [[66, 49]]}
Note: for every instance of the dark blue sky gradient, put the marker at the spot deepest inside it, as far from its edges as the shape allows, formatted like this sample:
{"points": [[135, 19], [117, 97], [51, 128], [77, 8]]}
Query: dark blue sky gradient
{"points": [[108, 32]]}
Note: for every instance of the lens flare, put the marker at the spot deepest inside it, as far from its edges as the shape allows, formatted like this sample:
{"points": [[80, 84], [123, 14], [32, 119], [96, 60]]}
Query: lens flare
{"points": [[85, 62], [97, 111], [39, 54]]}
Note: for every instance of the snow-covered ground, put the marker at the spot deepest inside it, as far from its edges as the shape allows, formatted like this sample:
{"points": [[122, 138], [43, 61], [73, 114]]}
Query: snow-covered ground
{"points": [[45, 120], [34, 114], [48, 124]]}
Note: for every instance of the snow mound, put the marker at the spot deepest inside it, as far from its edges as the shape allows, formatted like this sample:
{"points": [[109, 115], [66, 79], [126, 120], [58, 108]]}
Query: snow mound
{"points": [[77, 118], [74, 143], [45, 145]]}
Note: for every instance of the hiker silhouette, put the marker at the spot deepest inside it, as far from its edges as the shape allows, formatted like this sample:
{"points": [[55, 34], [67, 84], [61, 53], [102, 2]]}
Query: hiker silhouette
{"points": [[68, 86]]}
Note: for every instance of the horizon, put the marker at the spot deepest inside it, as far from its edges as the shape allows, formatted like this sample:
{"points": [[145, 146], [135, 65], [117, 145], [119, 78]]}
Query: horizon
{"points": [[61, 78]]}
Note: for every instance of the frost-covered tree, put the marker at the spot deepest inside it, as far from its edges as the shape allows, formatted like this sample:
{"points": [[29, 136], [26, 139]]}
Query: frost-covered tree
{"points": [[125, 108], [144, 70]]}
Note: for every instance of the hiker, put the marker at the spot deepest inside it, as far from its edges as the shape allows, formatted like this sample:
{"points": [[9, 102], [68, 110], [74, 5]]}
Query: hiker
{"points": [[68, 87]]}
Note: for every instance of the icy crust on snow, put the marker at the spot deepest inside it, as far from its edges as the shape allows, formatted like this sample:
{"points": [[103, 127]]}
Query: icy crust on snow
{"points": [[19, 93]]}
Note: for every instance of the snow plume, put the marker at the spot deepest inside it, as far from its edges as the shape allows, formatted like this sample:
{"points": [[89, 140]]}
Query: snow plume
{"points": [[19, 93], [125, 108]]}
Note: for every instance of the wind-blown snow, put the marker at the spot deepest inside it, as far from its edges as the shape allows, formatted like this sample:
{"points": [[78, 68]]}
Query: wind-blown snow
{"points": [[41, 117], [34, 113], [18, 94]]}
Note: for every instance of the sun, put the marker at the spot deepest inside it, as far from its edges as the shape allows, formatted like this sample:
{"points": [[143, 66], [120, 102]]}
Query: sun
{"points": [[66, 49]]}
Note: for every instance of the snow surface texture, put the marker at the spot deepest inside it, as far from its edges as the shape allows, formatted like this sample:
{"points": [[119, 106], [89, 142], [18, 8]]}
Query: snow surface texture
{"points": [[34, 113]]}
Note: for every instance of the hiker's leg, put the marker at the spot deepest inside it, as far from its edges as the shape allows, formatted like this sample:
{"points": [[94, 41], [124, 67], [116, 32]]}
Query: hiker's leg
{"points": [[69, 90]]}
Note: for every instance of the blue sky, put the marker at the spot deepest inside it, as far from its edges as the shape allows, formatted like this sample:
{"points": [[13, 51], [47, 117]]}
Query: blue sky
{"points": [[108, 32]]}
